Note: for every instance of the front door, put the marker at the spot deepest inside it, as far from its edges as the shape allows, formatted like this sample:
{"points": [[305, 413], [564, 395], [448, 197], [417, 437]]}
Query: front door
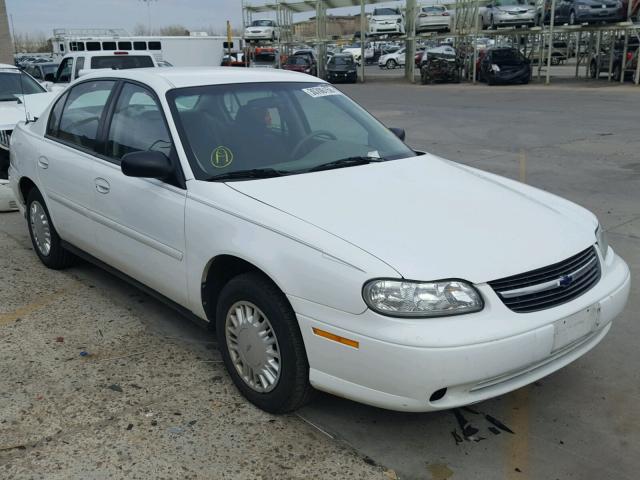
{"points": [[140, 220]]}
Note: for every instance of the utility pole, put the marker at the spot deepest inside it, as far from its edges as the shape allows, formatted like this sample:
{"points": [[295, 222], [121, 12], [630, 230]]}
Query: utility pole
{"points": [[148, 2], [6, 42]]}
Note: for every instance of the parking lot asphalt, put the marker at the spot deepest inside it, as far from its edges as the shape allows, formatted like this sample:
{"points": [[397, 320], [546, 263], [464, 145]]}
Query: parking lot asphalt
{"points": [[151, 399]]}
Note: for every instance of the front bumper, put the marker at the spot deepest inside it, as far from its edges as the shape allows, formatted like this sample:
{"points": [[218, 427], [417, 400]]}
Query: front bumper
{"points": [[385, 28], [258, 36], [519, 19], [599, 15], [342, 76], [400, 363]]}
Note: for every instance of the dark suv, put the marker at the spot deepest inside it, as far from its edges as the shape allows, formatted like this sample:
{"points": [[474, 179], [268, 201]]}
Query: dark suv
{"points": [[576, 12]]}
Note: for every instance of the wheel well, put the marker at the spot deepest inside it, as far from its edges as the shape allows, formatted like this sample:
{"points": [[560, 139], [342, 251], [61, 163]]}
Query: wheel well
{"points": [[219, 271], [26, 185]]}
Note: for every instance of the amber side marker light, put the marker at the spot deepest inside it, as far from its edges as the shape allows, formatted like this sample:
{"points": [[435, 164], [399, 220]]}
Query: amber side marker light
{"points": [[336, 338]]}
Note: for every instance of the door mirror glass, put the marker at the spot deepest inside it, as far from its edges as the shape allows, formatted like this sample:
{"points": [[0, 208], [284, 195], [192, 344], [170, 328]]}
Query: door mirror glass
{"points": [[398, 132], [147, 164]]}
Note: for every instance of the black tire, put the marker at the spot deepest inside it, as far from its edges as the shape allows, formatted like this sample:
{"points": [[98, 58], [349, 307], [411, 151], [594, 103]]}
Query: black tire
{"points": [[391, 64], [57, 257], [593, 69], [292, 390]]}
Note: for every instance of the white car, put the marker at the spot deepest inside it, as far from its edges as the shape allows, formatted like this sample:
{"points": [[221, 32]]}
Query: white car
{"points": [[392, 60], [512, 13], [355, 51], [21, 98], [324, 250], [434, 17], [386, 21], [262, 30]]}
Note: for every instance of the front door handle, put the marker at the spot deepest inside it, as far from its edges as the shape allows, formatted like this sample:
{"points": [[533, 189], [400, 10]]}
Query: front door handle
{"points": [[43, 162], [102, 186]]}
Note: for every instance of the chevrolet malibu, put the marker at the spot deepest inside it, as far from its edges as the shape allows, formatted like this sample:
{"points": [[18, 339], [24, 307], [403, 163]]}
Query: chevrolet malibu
{"points": [[325, 252]]}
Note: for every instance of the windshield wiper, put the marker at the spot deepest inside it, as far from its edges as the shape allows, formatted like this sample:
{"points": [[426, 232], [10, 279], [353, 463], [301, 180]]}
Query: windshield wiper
{"points": [[346, 162], [250, 173]]}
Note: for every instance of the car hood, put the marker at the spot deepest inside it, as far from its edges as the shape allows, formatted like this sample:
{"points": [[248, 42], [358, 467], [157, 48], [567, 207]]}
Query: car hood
{"points": [[14, 112], [515, 8], [430, 218]]}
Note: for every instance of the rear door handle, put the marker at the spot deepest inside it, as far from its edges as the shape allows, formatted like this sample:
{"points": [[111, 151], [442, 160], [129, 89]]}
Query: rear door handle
{"points": [[102, 186], [43, 162]]}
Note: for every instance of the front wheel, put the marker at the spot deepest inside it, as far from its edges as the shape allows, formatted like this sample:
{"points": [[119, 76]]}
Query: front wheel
{"points": [[391, 64], [44, 237], [261, 344]]}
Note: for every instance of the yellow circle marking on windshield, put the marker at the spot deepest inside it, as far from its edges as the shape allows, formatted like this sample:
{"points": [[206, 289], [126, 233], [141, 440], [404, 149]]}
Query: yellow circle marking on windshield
{"points": [[221, 157]]}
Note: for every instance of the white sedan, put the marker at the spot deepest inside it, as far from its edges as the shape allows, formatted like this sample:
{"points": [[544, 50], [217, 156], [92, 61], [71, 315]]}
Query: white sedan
{"points": [[324, 251], [392, 60]]}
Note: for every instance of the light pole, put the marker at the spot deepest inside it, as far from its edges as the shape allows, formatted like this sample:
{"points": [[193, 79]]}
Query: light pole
{"points": [[148, 2]]}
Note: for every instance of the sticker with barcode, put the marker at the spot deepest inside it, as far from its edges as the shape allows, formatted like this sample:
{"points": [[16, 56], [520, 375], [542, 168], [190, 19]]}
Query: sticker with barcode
{"points": [[321, 91]]}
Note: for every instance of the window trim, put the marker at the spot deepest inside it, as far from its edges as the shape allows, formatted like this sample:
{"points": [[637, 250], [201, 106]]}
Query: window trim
{"points": [[66, 94], [103, 131]]}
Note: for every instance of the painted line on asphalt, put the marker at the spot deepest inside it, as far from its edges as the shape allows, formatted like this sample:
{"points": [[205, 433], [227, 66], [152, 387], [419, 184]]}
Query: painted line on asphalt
{"points": [[10, 317]]}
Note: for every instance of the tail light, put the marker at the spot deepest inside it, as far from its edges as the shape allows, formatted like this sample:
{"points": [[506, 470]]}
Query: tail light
{"points": [[629, 56], [121, 53]]}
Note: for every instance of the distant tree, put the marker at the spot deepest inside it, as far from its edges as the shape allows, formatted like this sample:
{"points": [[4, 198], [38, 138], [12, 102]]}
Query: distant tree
{"points": [[173, 31], [32, 43]]}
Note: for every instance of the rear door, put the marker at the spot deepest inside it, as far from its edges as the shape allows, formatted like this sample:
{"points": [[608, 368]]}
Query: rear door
{"points": [[141, 220], [67, 157]]}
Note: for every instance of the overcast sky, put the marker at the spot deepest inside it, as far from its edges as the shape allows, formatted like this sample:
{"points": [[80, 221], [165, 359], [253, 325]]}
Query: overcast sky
{"points": [[32, 16]]}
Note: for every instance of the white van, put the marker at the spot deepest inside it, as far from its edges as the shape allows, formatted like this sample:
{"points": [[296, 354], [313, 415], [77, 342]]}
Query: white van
{"points": [[74, 64]]}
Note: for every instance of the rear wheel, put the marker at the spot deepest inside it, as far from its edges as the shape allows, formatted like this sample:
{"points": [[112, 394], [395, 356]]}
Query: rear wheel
{"points": [[44, 237], [261, 344], [391, 64]]}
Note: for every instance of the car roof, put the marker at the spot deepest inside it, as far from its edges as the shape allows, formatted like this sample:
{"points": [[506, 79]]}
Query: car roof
{"points": [[162, 79]]}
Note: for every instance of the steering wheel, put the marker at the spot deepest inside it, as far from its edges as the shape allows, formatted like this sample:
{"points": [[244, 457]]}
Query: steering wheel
{"points": [[317, 134]]}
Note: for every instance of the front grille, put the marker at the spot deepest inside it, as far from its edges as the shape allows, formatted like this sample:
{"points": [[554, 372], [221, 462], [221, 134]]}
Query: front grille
{"points": [[549, 286]]}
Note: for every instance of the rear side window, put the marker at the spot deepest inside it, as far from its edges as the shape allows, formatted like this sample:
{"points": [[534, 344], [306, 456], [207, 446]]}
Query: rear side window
{"points": [[108, 45], [79, 66], [155, 46], [82, 113], [124, 45], [93, 46], [122, 62], [137, 124], [54, 116], [139, 45], [76, 46]]}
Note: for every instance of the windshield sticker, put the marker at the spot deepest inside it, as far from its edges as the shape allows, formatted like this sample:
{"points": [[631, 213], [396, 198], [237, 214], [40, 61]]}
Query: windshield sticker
{"points": [[221, 157], [321, 91]]}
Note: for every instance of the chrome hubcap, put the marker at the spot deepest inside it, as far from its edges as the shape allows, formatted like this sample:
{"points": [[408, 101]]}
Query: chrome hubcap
{"points": [[253, 346], [40, 228]]}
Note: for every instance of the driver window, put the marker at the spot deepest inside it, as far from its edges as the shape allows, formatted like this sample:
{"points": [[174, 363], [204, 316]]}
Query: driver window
{"points": [[64, 71], [137, 124]]}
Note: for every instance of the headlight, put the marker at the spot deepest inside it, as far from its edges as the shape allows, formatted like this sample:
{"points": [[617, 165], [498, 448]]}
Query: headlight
{"points": [[495, 68], [583, 7], [601, 239], [403, 298]]}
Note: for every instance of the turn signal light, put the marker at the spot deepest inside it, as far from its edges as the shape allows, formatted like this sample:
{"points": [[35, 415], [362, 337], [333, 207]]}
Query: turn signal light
{"points": [[336, 338]]}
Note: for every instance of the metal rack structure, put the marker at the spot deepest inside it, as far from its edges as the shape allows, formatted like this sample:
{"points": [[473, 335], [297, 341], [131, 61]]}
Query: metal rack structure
{"points": [[590, 41]]}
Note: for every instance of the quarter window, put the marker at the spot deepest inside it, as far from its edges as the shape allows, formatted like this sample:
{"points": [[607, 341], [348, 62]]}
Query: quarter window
{"points": [[82, 113], [54, 117], [137, 124], [64, 71], [79, 66]]}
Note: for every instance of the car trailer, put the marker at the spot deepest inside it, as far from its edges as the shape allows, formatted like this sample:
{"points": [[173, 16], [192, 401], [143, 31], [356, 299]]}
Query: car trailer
{"points": [[589, 41]]}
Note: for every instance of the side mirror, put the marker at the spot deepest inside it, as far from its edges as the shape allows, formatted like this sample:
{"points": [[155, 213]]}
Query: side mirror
{"points": [[398, 132], [49, 77], [146, 164]]}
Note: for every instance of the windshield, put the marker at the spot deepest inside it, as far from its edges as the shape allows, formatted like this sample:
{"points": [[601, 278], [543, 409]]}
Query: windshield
{"points": [[341, 61], [297, 60], [289, 127], [509, 3], [122, 62], [16, 83], [262, 23], [385, 11]]}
